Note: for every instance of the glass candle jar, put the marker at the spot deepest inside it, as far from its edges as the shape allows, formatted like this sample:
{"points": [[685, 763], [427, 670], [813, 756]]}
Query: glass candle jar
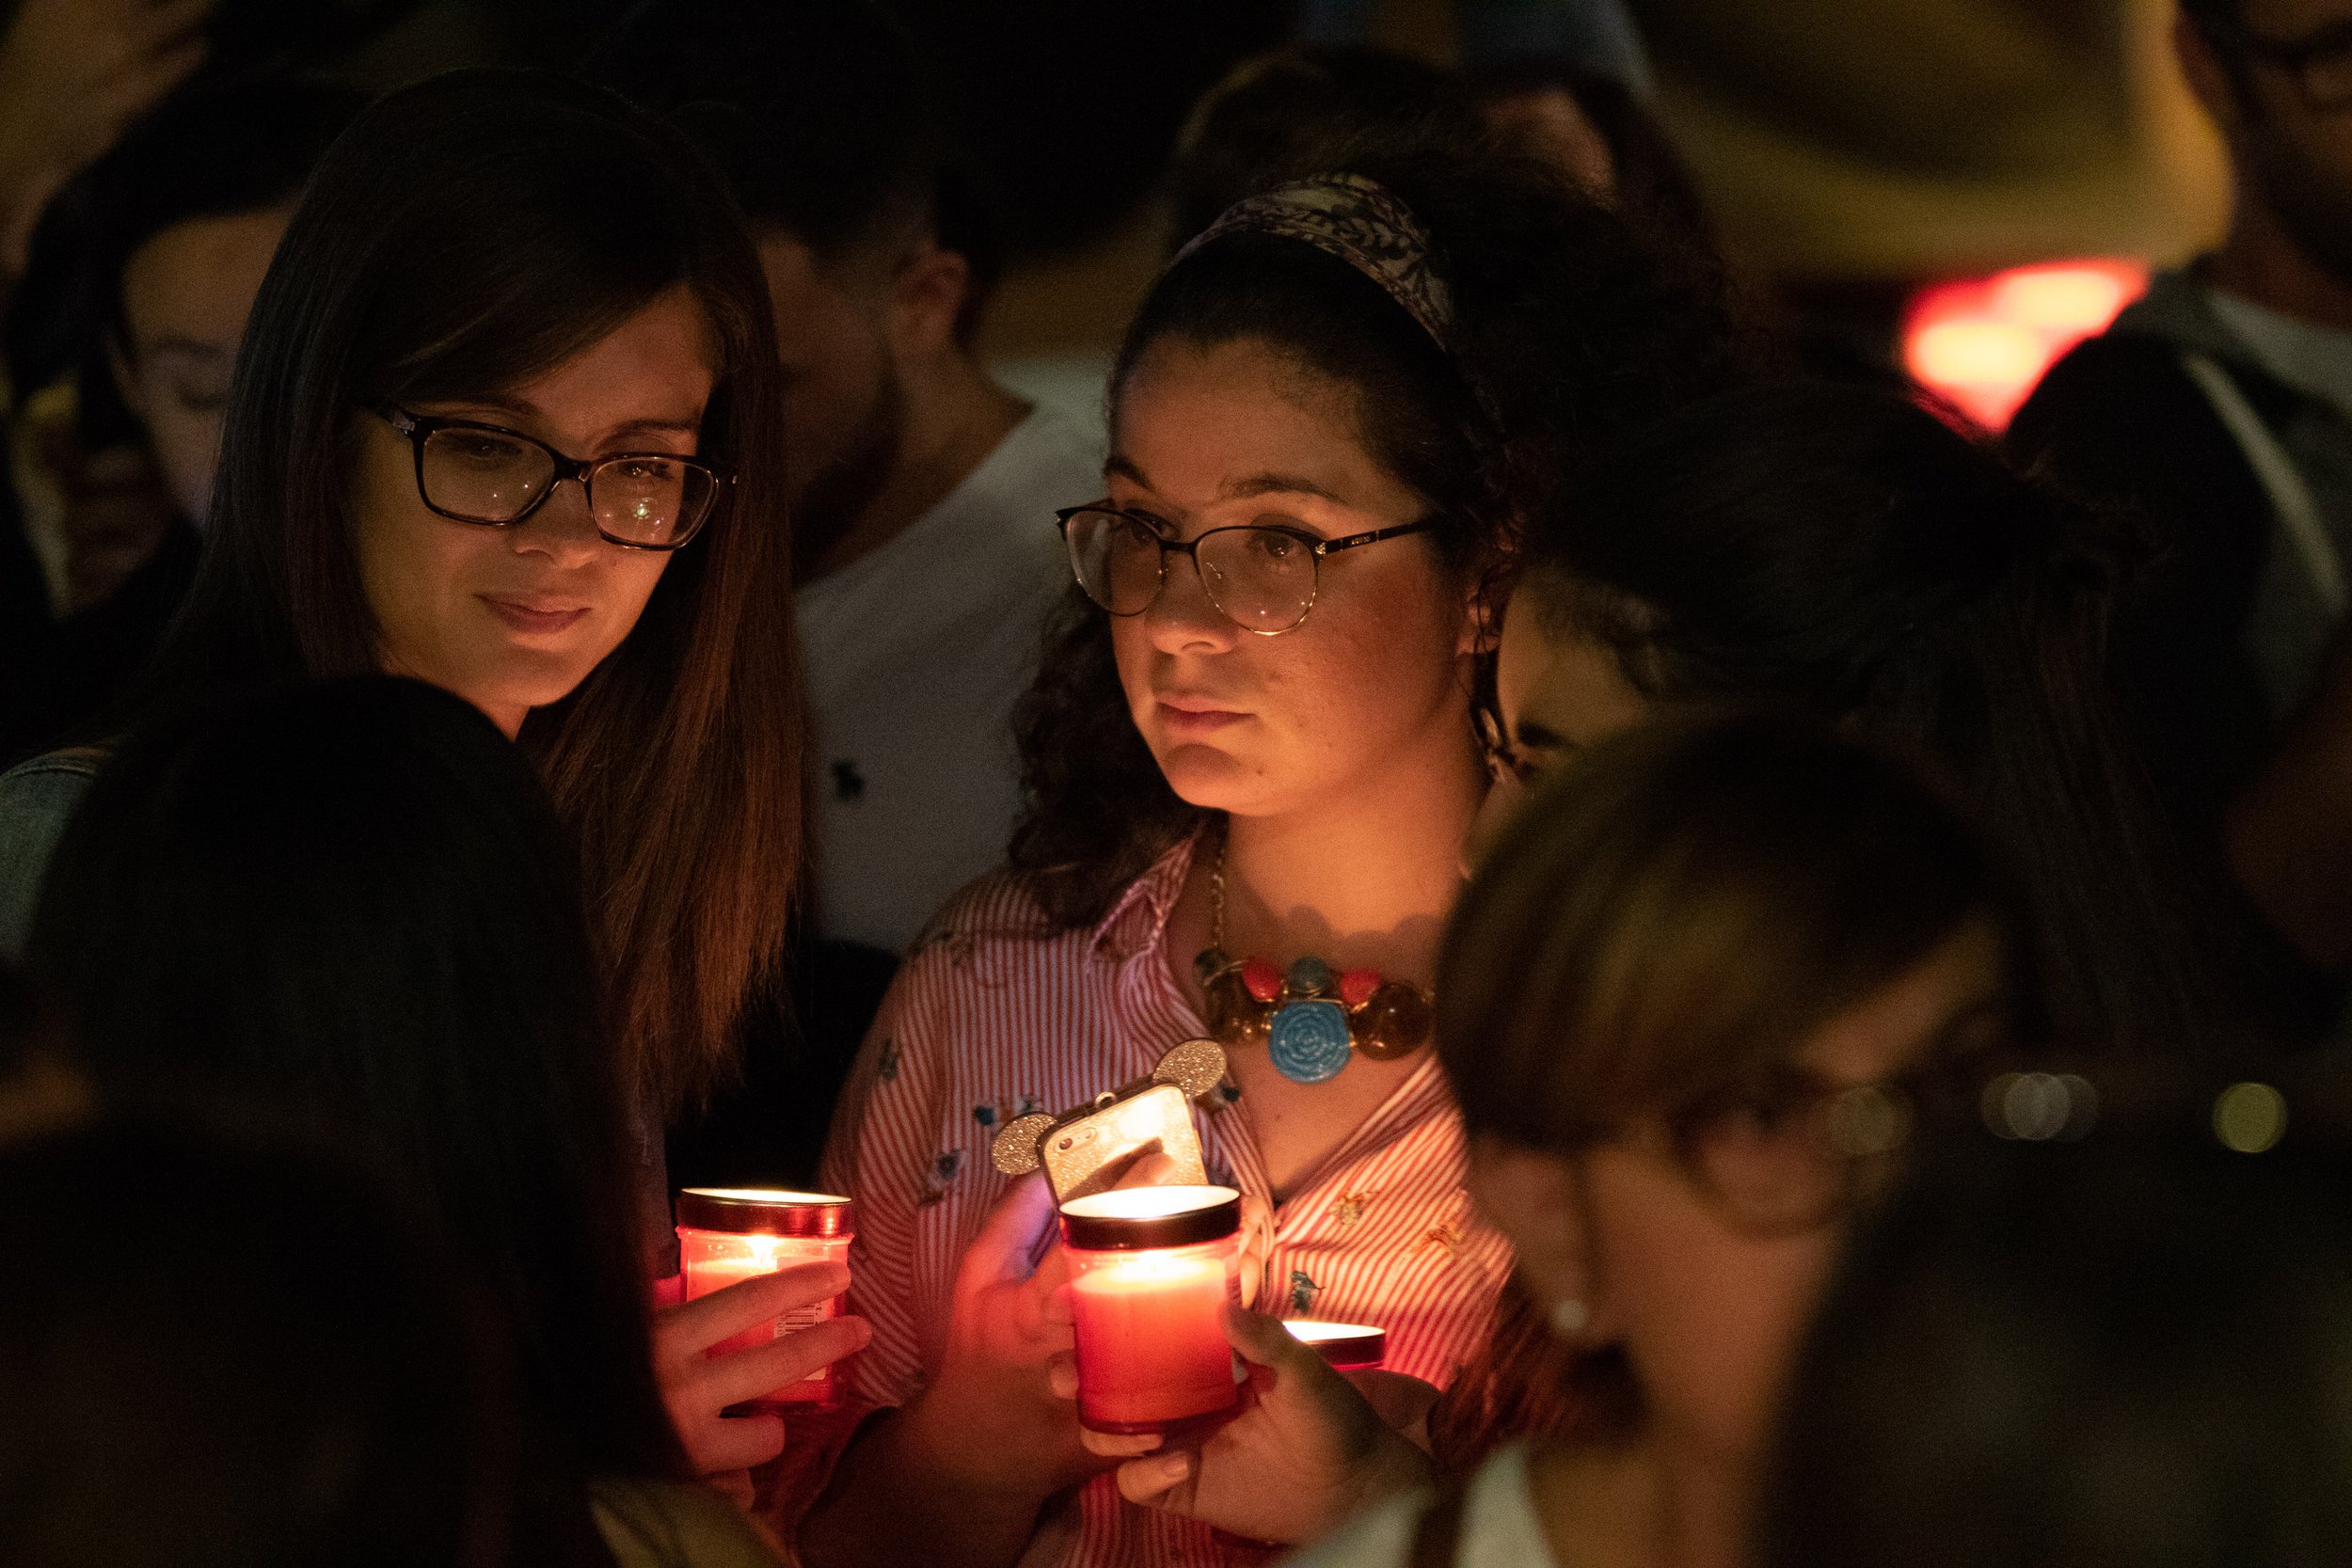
{"points": [[1151, 1270], [730, 1234], [1348, 1346]]}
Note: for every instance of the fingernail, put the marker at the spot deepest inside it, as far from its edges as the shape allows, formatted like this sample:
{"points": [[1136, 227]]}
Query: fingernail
{"points": [[1174, 1467]]}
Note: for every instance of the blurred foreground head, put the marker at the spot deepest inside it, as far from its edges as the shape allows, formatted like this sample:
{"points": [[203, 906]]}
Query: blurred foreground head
{"points": [[210, 1350], [352, 901], [2122, 1349], [1691, 1006]]}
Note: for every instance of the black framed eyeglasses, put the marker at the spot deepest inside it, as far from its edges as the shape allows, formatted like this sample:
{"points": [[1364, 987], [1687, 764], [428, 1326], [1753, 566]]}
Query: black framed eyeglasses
{"points": [[2319, 62], [493, 477], [1262, 576]]}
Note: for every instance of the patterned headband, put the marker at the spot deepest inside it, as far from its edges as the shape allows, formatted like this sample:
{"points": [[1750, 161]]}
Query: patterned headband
{"points": [[1356, 220]]}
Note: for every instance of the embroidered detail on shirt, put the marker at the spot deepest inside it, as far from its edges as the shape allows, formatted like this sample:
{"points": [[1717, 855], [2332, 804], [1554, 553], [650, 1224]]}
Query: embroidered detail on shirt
{"points": [[942, 1178], [1446, 1236], [998, 1113], [1350, 1209], [1302, 1291], [887, 1067]]}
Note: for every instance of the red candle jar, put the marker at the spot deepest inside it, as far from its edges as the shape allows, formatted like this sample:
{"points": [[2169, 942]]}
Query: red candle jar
{"points": [[1348, 1346], [1151, 1270], [730, 1234]]}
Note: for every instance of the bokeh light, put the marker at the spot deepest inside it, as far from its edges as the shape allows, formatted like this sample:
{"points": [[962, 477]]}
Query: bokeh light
{"points": [[1983, 343]]}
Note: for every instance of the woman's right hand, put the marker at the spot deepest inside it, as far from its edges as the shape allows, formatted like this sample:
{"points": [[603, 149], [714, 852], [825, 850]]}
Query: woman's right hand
{"points": [[990, 1415], [699, 1386]]}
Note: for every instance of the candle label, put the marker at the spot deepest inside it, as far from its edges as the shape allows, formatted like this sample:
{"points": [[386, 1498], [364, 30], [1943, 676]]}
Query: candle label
{"points": [[712, 1260]]}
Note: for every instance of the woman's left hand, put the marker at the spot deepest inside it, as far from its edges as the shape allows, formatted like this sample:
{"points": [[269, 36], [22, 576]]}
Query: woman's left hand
{"points": [[1306, 1453]]}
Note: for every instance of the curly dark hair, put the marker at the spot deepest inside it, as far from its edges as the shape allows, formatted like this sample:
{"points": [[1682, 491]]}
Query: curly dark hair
{"points": [[1569, 331]]}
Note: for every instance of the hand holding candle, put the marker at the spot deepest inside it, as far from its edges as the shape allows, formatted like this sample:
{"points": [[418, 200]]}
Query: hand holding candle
{"points": [[700, 1380], [1306, 1453]]}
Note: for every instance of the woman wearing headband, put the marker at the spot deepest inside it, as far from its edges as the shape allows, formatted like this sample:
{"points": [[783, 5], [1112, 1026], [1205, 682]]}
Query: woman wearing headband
{"points": [[1250, 764]]}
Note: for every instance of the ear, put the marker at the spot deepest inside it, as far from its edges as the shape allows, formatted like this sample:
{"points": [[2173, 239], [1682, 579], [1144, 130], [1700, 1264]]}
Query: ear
{"points": [[2209, 75], [927, 299], [1537, 1201], [126, 379]]}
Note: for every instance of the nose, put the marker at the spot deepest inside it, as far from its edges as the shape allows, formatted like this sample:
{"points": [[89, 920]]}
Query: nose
{"points": [[562, 529], [1184, 619]]}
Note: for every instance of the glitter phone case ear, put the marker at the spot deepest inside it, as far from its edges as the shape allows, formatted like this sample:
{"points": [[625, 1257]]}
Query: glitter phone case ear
{"points": [[1095, 1147]]}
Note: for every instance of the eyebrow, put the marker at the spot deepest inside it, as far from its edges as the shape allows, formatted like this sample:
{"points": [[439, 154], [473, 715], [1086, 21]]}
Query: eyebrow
{"points": [[523, 408], [1278, 484], [1122, 467]]}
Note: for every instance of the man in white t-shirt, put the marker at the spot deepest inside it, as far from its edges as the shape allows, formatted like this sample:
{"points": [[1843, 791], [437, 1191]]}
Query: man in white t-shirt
{"points": [[923, 538]]}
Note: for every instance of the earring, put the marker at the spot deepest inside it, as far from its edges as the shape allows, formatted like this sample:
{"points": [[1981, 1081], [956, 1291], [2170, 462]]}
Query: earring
{"points": [[1568, 1317]]}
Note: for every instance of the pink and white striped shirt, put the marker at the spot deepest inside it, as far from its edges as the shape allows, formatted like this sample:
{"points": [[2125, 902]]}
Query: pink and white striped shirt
{"points": [[994, 1016]]}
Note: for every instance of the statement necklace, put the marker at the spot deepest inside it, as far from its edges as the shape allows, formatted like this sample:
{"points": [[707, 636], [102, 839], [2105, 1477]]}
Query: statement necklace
{"points": [[1310, 1018]]}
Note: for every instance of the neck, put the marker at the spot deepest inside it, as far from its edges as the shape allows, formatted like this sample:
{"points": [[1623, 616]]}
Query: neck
{"points": [[1703, 1512], [2262, 262], [1362, 882], [955, 415], [1641, 1506]]}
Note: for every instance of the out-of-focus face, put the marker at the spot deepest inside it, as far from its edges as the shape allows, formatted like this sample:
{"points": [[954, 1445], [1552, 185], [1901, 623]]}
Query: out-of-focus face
{"points": [[1205, 439], [842, 399], [1709, 1314], [185, 295], [515, 618], [1556, 692], [2293, 154]]}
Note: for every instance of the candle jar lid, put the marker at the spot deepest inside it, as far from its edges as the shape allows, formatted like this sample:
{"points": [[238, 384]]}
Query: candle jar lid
{"points": [[1136, 1217], [765, 1212]]}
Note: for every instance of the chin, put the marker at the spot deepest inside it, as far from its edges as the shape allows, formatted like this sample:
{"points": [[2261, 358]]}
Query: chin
{"points": [[528, 687], [1206, 777]]}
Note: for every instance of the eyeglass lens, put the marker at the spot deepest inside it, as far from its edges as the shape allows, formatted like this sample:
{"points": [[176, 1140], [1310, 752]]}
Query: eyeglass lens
{"points": [[1791, 1165], [1261, 578], [487, 477]]}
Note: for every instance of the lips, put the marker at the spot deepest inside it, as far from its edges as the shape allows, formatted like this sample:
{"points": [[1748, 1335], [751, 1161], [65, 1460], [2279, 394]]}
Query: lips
{"points": [[1196, 716], [534, 614]]}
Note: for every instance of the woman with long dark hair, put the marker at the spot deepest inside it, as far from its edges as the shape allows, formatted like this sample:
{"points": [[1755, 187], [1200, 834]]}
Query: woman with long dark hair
{"points": [[354, 899], [505, 418], [1250, 756]]}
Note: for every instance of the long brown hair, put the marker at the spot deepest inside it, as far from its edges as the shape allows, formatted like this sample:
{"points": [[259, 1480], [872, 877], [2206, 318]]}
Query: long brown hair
{"points": [[1568, 331], [462, 235], [1676, 915]]}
